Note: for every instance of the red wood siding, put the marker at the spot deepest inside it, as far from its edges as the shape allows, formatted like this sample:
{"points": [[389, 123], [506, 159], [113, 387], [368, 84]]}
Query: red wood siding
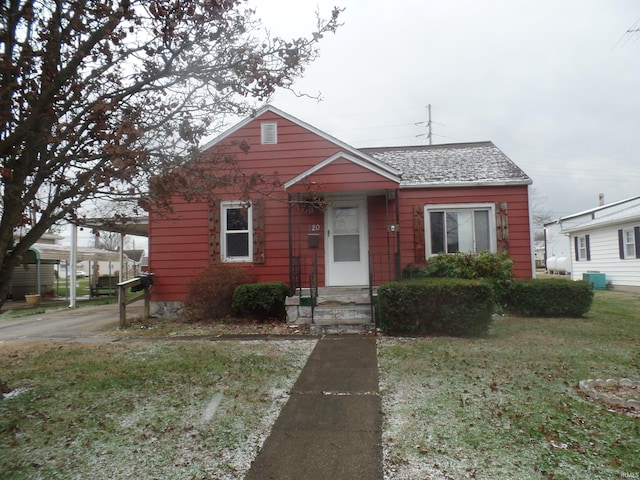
{"points": [[179, 242], [516, 198], [343, 175]]}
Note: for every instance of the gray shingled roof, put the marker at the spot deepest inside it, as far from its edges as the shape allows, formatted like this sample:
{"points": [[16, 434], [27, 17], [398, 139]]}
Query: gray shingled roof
{"points": [[456, 164]]}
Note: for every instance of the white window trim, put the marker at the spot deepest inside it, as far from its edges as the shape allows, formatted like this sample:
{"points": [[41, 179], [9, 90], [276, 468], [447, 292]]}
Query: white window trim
{"points": [[269, 133], [628, 255], [224, 206], [582, 246], [460, 207]]}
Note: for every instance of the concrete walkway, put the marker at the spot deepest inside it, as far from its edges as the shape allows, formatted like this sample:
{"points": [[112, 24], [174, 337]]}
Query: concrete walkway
{"points": [[331, 426]]}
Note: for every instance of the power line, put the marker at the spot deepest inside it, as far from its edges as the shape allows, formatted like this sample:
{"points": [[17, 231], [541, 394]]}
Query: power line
{"points": [[628, 35]]}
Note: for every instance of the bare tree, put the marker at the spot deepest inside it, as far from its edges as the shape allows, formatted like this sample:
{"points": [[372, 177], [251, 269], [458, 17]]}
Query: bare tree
{"points": [[109, 240], [539, 213], [98, 96]]}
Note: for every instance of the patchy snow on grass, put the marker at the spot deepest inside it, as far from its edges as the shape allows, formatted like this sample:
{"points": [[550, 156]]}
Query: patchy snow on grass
{"points": [[209, 428], [455, 409], [14, 393]]}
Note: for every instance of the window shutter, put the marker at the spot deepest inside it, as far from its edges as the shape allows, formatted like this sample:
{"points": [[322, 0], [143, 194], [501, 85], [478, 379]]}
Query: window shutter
{"points": [[258, 230], [621, 243], [636, 234], [502, 227], [418, 234], [577, 246], [586, 241], [214, 231]]}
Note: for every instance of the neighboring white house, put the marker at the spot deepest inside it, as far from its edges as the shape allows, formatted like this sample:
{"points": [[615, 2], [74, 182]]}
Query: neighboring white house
{"points": [[603, 240]]}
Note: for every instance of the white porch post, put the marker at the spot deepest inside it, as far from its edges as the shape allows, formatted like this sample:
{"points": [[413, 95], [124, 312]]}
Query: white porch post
{"points": [[73, 262]]}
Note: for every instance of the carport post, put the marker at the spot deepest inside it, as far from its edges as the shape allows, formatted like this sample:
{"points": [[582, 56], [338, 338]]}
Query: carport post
{"points": [[121, 277], [72, 260]]}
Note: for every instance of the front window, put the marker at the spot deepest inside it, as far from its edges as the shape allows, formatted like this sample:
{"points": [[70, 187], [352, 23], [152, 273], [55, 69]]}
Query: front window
{"points": [[237, 235], [459, 228]]}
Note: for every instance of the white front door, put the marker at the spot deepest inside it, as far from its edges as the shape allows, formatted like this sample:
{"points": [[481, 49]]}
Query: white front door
{"points": [[347, 243]]}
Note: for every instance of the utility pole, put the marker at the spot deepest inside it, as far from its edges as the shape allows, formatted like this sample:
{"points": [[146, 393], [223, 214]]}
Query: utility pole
{"points": [[429, 133], [429, 124]]}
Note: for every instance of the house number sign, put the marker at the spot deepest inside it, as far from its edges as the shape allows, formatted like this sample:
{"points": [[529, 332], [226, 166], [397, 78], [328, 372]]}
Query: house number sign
{"points": [[315, 227]]}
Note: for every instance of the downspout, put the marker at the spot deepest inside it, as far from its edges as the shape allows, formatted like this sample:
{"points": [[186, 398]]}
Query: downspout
{"points": [[291, 292], [386, 207], [398, 263]]}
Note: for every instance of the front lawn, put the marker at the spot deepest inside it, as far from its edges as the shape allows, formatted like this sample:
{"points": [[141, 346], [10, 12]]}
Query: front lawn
{"points": [[507, 405], [179, 410]]}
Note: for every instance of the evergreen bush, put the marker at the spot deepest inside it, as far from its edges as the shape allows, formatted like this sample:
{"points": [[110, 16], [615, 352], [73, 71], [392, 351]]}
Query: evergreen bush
{"points": [[549, 298], [441, 306], [260, 300], [497, 268]]}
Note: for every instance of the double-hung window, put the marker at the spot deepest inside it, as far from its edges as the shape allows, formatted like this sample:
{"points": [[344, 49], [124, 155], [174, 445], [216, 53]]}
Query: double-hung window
{"points": [[582, 247], [460, 228], [629, 242], [237, 235]]}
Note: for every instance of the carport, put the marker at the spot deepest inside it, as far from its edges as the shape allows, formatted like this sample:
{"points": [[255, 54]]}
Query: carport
{"points": [[122, 225], [42, 255]]}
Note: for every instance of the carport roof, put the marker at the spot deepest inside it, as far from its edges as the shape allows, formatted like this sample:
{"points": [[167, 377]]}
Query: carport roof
{"points": [[128, 225], [46, 251]]}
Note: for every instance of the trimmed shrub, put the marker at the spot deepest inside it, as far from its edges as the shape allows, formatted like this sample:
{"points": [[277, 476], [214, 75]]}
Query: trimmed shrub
{"points": [[442, 306], [260, 300], [550, 298], [210, 293], [494, 267]]}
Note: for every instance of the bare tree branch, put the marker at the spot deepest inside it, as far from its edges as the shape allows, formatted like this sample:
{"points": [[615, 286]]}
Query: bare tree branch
{"points": [[99, 96]]}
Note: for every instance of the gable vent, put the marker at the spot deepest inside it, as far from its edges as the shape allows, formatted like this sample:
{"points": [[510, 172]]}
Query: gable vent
{"points": [[269, 133]]}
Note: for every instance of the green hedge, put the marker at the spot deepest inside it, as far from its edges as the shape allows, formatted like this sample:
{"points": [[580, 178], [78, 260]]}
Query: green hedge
{"points": [[496, 268], [442, 306], [549, 298], [260, 300]]}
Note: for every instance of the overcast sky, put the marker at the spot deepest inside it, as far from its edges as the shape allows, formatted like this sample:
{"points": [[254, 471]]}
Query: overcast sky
{"points": [[555, 84]]}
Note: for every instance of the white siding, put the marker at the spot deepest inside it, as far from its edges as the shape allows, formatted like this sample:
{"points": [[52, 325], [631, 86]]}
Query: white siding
{"points": [[605, 257], [25, 280]]}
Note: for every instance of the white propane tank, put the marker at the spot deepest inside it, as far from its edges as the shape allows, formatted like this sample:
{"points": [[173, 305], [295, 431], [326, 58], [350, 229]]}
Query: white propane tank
{"points": [[551, 264], [563, 265]]}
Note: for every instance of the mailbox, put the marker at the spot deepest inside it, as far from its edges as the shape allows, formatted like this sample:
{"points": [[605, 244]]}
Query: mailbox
{"points": [[313, 240]]}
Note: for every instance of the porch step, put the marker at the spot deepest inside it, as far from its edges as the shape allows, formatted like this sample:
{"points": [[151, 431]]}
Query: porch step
{"points": [[316, 329], [343, 300], [338, 310], [341, 314]]}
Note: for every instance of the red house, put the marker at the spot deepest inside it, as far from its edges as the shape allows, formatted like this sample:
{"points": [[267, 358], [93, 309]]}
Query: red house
{"points": [[341, 216]]}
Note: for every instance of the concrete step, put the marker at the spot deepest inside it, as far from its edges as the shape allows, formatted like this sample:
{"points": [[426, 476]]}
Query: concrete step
{"points": [[317, 329], [338, 310], [342, 314], [343, 299]]}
